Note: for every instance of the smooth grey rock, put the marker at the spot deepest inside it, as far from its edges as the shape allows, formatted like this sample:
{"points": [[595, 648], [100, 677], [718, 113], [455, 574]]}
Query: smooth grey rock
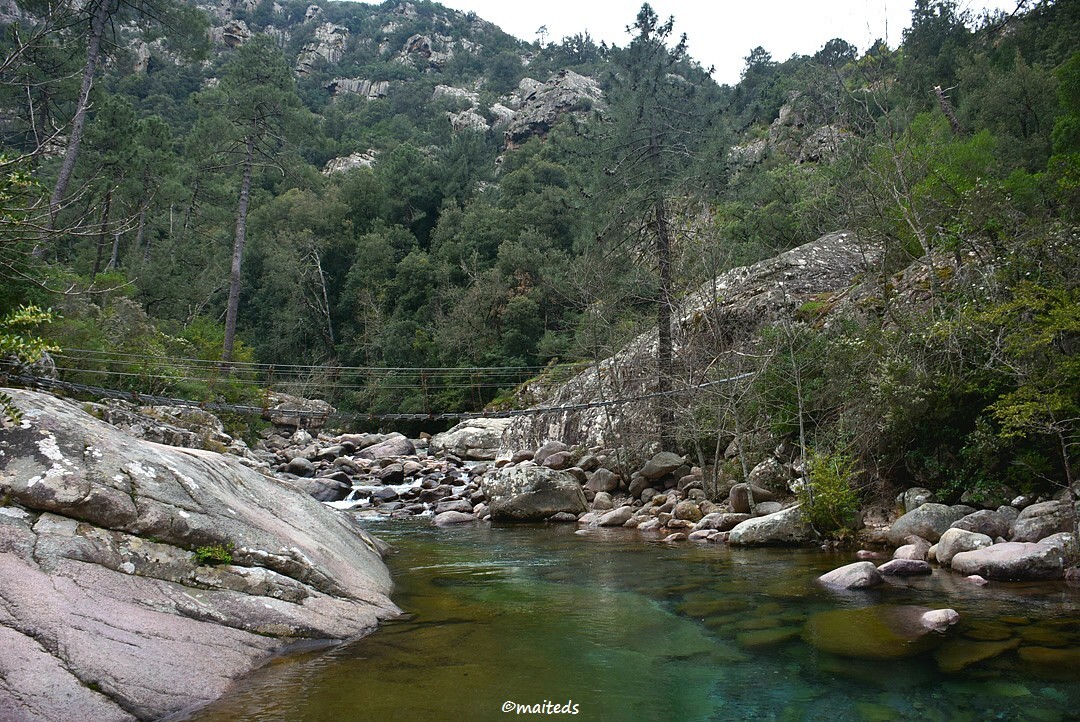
{"points": [[661, 464], [603, 480], [531, 493], [560, 460], [452, 518], [954, 541], [563, 517], [1067, 543], [113, 594], [721, 521], [785, 527], [915, 547], [602, 501], [392, 446], [991, 523], [1039, 521], [546, 450], [905, 567], [461, 505], [739, 499], [324, 488], [1012, 561], [616, 517], [768, 474], [911, 499], [300, 466], [857, 575], [475, 439], [928, 521], [768, 507]]}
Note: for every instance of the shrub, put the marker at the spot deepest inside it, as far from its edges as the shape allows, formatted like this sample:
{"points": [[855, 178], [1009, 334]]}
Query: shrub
{"points": [[213, 554], [829, 501]]}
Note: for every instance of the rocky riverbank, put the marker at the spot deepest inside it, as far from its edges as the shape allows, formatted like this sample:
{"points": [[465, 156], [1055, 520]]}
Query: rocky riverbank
{"points": [[138, 579], [467, 475]]}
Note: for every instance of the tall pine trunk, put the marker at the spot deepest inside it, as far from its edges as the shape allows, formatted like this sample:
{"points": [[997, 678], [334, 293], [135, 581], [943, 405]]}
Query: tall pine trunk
{"points": [[238, 253], [93, 54]]}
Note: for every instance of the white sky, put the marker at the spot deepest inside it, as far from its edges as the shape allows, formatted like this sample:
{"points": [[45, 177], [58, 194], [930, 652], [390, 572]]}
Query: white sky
{"points": [[719, 32]]}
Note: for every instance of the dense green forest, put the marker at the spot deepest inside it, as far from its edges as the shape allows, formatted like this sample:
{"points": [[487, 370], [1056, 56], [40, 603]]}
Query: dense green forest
{"points": [[164, 194]]}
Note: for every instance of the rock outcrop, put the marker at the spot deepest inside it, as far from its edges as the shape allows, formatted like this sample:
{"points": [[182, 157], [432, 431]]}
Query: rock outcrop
{"points": [[740, 300], [110, 608], [538, 106]]}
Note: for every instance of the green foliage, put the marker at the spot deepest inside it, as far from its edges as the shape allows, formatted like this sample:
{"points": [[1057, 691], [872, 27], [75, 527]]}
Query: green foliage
{"points": [[830, 501], [213, 554], [19, 346]]}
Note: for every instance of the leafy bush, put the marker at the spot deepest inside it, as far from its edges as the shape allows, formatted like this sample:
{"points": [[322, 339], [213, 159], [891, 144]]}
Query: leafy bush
{"points": [[829, 501], [213, 554]]}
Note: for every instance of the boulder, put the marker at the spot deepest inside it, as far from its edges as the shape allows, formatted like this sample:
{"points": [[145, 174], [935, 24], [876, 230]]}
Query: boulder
{"points": [[324, 489], [616, 517], [785, 527], [285, 410], [531, 493], [475, 439], [877, 632], [768, 474], [105, 573], [603, 480], [688, 511], [602, 501], [768, 507], [858, 575], [661, 465], [739, 500], [928, 521], [954, 541], [915, 547], [905, 568], [548, 448], [452, 518], [991, 523], [720, 521], [1067, 543], [1041, 520], [560, 460], [911, 499], [393, 446], [300, 467], [1012, 561]]}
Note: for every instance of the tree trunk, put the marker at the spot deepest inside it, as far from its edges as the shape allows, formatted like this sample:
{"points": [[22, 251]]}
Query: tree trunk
{"points": [[102, 233], [664, 364], [67, 168], [140, 234], [238, 254]]}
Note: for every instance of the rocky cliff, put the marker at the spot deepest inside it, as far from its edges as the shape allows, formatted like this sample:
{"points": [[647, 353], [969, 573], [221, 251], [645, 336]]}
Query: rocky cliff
{"points": [[707, 322], [138, 579]]}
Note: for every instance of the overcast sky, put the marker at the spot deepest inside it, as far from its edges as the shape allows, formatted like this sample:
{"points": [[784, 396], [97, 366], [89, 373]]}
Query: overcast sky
{"points": [[720, 32]]}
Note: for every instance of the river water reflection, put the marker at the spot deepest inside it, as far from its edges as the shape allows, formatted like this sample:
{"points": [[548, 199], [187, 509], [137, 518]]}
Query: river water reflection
{"points": [[620, 629]]}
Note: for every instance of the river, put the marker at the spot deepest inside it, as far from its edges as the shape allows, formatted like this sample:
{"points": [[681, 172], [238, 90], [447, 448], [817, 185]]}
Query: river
{"points": [[612, 627]]}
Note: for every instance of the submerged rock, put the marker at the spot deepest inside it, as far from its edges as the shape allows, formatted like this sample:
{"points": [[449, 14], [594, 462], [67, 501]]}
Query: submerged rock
{"points": [[879, 632]]}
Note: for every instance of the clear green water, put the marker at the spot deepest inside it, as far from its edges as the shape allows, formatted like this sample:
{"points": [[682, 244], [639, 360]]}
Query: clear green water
{"points": [[633, 630]]}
